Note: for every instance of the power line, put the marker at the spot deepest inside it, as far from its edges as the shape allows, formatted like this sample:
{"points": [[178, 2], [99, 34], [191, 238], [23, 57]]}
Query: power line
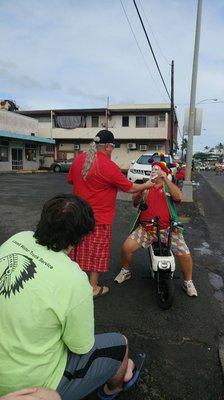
{"points": [[149, 43], [129, 23], [163, 55]]}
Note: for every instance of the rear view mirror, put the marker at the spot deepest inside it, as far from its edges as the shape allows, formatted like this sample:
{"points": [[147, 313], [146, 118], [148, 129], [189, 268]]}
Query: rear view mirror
{"points": [[132, 162]]}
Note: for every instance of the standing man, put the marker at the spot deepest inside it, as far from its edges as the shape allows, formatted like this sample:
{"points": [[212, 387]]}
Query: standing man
{"points": [[96, 179]]}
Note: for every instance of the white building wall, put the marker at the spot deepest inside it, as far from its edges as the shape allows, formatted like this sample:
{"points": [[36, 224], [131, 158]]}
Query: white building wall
{"points": [[114, 124], [120, 133], [5, 166], [12, 122], [45, 129]]}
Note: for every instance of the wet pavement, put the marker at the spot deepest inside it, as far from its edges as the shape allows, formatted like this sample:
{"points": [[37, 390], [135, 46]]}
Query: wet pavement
{"points": [[182, 344]]}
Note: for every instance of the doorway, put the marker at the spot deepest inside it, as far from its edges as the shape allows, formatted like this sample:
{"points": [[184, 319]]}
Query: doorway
{"points": [[17, 158]]}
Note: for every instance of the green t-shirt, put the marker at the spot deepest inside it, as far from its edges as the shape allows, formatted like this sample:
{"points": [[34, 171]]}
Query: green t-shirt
{"points": [[46, 308]]}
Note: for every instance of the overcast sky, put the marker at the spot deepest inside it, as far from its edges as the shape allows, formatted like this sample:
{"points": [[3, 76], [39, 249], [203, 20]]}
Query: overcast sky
{"points": [[75, 53]]}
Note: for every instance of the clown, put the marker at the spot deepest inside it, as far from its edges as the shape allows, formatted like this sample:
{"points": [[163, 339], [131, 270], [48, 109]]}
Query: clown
{"points": [[157, 205]]}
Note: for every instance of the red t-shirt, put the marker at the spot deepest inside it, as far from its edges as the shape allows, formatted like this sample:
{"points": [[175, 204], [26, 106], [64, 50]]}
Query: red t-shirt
{"points": [[157, 207], [180, 175], [100, 187]]}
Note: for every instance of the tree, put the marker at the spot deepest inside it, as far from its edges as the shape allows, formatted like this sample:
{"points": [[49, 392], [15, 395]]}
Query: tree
{"points": [[219, 147], [200, 156], [183, 147]]}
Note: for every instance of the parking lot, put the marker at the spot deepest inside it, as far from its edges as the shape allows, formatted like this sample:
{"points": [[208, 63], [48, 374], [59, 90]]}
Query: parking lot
{"points": [[181, 343]]}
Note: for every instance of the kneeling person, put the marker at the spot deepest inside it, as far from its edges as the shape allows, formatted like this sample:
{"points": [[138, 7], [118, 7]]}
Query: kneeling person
{"points": [[47, 324], [143, 236]]}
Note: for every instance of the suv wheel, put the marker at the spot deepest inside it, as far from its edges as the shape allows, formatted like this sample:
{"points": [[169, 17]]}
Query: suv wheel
{"points": [[57, 168]]}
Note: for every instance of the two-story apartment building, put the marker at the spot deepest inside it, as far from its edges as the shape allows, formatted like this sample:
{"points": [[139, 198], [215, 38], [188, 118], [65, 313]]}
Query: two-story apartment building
{"points": [[138, 128]]}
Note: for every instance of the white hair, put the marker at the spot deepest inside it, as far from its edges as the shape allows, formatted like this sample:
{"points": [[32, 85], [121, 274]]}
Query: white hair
{"points": [[90, 157]]}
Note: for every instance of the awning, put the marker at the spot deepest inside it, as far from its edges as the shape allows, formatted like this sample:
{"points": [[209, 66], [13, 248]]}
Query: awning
{"points": [[27, 138]]}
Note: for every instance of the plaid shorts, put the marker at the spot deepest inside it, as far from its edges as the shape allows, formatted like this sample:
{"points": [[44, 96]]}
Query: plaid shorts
{"points": [[145, 238], [93, 253]]}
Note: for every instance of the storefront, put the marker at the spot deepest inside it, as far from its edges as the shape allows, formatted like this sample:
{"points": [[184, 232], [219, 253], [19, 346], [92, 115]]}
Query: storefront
{"points": [[20, 151]]}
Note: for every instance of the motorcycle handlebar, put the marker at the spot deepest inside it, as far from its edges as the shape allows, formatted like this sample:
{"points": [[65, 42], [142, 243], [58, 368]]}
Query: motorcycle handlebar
{"points": [[155, 222]]}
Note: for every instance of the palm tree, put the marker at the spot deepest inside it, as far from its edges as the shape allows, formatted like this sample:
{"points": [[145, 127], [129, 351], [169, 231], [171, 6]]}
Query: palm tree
{"points": [[183, 147], [206, 148], [219, 147]]}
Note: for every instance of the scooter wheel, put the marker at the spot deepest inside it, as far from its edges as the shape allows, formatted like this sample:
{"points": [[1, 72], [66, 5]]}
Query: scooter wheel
{"points": [[165, 293]]}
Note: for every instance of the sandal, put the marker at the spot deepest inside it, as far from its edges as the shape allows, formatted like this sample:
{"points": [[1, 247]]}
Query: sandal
{"points": [[139, 361], [102, 291]]}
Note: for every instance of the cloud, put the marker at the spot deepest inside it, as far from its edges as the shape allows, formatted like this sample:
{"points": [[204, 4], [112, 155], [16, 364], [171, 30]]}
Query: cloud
{"points": [[63, 53]]}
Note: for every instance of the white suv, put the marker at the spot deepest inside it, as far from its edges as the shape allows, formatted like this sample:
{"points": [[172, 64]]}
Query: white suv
{"points": [[140, 170]]}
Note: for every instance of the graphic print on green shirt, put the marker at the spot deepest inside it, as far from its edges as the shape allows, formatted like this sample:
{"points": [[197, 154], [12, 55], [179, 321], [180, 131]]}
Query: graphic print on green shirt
{"points": [[19, 269]]}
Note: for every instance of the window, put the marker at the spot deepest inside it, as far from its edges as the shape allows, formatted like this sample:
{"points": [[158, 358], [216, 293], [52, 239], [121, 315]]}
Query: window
{"points": [[149, 121], [162, 117], [4, 150], [49, 148], [95, 121], [140, 122], [4, 143], [152, 121], [144, 159], [157, 147], [4, 153], [125, 120], [143, 147], [30, 152]]}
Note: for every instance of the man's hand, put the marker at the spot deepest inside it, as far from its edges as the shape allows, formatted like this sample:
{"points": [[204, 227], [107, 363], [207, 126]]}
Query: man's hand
{"points": [[149, 184], [139, 187]]}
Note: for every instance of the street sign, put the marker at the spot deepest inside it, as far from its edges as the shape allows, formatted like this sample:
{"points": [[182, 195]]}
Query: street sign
{"points": [[197, 121]]}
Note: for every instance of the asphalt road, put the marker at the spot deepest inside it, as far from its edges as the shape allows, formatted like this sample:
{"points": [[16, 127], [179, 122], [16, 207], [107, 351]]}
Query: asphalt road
{"points": [[181, 343]]}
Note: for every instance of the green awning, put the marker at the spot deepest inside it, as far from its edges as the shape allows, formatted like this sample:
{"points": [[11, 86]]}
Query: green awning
{"points": [[27, 138]]}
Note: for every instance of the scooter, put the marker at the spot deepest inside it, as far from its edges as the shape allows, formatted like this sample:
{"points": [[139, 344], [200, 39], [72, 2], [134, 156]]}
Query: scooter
{"points": [[162, 264]]}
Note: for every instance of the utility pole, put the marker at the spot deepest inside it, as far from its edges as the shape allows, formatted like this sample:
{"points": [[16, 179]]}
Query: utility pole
{"points": [[107, 112], [187, 186], [172, 109]]}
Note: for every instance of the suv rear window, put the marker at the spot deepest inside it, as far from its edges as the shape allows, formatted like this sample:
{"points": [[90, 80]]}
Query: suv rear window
{"points": [[144, 159]]}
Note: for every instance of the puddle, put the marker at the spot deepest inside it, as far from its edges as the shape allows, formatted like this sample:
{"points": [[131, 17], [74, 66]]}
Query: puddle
{"points": [[216, 281], [204, 249], [219, 295], [218, 284]]}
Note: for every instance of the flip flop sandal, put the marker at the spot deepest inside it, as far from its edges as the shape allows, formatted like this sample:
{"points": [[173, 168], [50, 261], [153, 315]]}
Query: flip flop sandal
{"points": [[102, 291], [138, 361]]}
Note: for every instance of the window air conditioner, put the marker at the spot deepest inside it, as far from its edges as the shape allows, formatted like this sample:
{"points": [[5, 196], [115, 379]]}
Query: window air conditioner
{"points": [[76, 146], [143, 147], [131, 146]]}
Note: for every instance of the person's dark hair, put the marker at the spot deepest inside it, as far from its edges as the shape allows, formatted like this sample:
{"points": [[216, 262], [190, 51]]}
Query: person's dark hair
{"points": [[65, 220]]}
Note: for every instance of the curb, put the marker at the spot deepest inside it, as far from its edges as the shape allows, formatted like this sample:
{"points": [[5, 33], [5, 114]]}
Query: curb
{"points": [[31, 171], [23, 172], [221, 353]]}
